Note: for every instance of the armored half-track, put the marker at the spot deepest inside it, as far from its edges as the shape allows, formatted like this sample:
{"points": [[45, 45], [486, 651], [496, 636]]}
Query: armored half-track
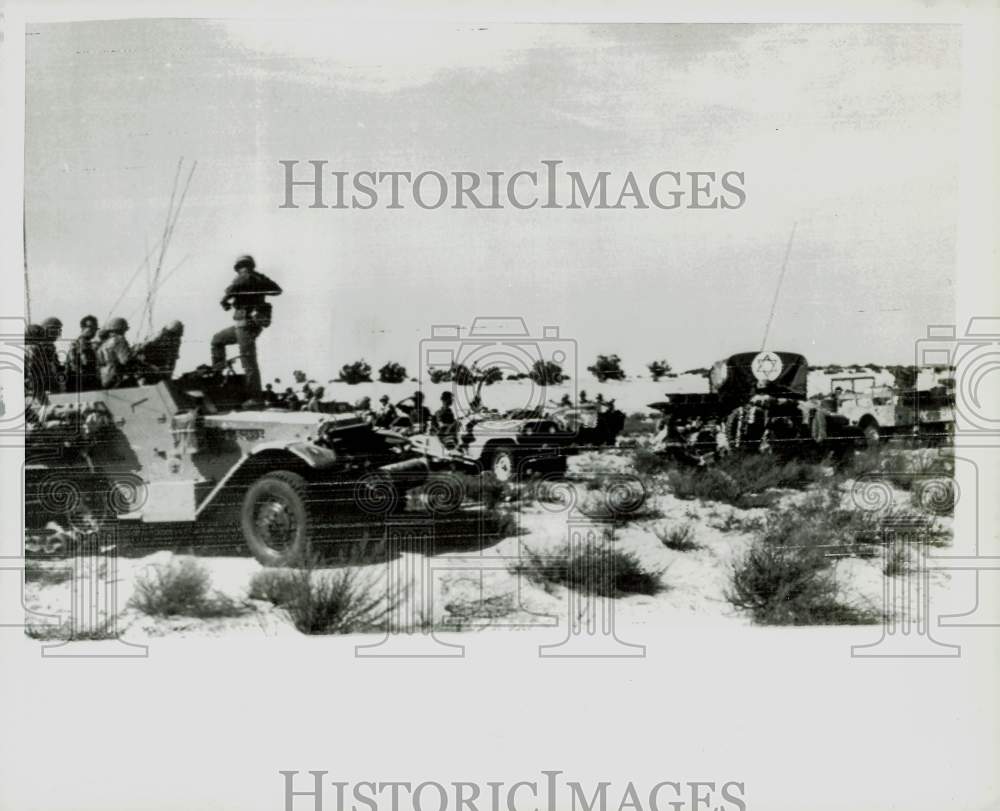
{"points": [[182, 452], [757, 402]]}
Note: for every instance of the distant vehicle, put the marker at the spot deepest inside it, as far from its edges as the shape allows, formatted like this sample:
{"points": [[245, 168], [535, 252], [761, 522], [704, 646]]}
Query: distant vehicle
{"points": [[522, 442], [182, 451], [879, 411], [756, 402], [592, 424], [510, 448]]}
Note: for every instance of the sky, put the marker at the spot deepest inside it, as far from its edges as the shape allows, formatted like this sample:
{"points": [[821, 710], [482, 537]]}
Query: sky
{"points": [[848, 133]]}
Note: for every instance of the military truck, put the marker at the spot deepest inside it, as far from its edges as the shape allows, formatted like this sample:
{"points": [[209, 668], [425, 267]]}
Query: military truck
{"points": [[183, 452], [880, 411], [756, 402]]}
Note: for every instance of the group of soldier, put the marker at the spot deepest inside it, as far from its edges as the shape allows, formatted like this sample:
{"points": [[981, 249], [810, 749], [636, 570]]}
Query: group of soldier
{"points": [[99, 358], [102, 358], [409, 415]]}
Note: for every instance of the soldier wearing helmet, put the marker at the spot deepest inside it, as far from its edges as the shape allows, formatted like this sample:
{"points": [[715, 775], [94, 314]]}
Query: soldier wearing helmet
{"points": [[247, 297], [157, 358], [34, 362], [81, 359], [115, 357], [445, 421], [49, 366], [386, 413], [419, 415], [363, 408]]}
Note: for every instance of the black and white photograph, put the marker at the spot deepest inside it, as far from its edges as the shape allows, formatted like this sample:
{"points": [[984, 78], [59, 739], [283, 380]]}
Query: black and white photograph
{"points": [[499, 408]]}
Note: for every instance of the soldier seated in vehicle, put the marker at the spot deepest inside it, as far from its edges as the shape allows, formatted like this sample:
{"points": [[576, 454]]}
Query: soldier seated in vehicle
{"points": [[315, 401], [386, 414], [417, 417], [81, 358], [156, 359], [363, 407], [35, 365], [115, 358], [445, 424]]}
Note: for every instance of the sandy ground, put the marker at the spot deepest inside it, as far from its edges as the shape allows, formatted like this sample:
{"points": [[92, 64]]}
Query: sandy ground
{"points": [[473, 587]]}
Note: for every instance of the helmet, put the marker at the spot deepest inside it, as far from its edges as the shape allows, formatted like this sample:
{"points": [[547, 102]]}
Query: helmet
{"points": [[245, 261], [384, 398], [33, 332], [418, 396], [446, 396], [117, 325], [88, 321], [51, 324], [175, 328]]}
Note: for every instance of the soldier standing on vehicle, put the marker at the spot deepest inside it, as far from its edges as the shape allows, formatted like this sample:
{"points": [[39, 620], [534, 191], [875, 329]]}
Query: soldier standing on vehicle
{"points": [[246, 296], [81, 359], [114, 356]]}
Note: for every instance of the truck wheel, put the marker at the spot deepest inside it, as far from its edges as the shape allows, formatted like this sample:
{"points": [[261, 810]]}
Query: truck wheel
{"points": [[275, 518], [503, 463], [871, 435]]}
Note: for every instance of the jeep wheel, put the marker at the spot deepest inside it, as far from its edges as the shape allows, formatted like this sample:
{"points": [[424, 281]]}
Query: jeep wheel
{"points": [[275, 518], [503, 463], [871, 434]]}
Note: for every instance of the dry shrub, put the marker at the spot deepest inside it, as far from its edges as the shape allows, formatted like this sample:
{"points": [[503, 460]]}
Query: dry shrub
{"points": [[781, 585], [647, 462], [744, 480], [679, 538], [788, 577], [181, 587], [35, 572], [592, 569], [319, 601]]}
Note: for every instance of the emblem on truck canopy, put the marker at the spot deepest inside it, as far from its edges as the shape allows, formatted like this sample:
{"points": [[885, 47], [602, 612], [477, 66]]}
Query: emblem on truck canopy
{"points": [[766, 367]]}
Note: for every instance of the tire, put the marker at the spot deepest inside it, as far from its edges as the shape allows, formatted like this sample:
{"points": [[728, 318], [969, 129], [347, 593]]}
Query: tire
{"points": [[871, 435], [275, 518], [503, 464]]}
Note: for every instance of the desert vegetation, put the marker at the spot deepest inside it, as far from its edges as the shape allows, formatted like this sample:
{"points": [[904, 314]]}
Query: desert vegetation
{"points": [[591, 568], [181, 587], [325, 601]]}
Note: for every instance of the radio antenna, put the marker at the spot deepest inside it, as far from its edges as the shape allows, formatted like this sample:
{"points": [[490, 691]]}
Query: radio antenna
{"points": [[27, 287], [777, 290]]}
